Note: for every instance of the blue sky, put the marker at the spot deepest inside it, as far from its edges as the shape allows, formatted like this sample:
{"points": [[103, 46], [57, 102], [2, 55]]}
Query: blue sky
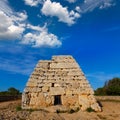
{"points": [[31, 30]]}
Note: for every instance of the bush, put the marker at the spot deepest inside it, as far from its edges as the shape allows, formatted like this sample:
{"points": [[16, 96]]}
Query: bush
{"points": [[100, 91], [90, 110], [18, 108], [111, 87], [13, 91], [71, 111], [10, 92]]}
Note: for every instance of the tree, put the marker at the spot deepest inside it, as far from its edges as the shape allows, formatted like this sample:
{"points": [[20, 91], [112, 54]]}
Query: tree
{"points": [[100, 91], [13, 91], [111, 87]]}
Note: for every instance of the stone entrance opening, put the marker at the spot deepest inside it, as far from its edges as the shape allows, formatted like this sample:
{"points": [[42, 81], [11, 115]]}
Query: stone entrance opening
{"points": [[57, 100]]}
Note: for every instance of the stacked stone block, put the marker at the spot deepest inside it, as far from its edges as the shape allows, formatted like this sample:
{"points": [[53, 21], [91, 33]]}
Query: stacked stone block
{"points": [[58, 81]]}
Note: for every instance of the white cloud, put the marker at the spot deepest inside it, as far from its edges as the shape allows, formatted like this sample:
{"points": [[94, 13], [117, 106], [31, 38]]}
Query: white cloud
{"points": [[37, 28], [33, 2], [12, 24], [90, 5], [10, 27], [105, 5], [78, 9], [19, 16], [71, 1], [5, 8], [56, 9], [40, 37]]}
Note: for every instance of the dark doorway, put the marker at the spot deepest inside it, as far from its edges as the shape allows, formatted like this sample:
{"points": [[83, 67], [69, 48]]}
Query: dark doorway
{"points": [[57, 100], [52, 84]]}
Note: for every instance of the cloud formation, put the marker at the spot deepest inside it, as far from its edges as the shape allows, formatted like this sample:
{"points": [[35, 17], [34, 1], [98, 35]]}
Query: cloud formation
{"points": [[71, 1], [90, 5], [40, 37], [10, 28], [56, 9], [78, 9], [4, 7], [14, 24], [33, 2], [106, 5]]}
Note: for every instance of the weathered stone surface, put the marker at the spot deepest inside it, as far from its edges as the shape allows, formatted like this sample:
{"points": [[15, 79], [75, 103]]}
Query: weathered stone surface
{"points": [[84, 102], [70, 100], [57, 91], [58, 81]]}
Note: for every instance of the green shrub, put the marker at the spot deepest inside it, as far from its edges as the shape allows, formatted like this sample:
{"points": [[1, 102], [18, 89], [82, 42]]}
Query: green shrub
{"points": [[111, 87], [18, 108], [71, 111], [90, 109]]}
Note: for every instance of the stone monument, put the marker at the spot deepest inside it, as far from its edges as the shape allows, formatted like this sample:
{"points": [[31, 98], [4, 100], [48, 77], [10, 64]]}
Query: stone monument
{"points": [[59, 81]]}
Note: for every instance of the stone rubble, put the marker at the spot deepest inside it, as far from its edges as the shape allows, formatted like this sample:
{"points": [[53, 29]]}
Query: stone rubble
{"points": [[58, 81]]}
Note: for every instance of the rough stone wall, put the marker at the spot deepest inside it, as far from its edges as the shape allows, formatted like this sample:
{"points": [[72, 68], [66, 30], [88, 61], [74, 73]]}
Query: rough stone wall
{"points": [[58, 81]]}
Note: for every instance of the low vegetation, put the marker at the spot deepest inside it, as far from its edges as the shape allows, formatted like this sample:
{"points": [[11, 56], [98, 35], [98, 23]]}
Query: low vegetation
{"points": [[11, 91], [18, 108], [90, 109], [11, 94], [111, 87]]}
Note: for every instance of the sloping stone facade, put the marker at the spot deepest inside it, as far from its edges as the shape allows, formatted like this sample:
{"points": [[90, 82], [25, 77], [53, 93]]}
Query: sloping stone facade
{"points": [[59, 81]]}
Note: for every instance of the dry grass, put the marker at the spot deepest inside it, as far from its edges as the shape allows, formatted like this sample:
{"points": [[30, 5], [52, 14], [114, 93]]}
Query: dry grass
{"points": [[111, 111]]}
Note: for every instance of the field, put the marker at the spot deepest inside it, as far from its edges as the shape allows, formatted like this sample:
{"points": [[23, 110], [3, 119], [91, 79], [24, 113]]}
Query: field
{"points": [[11, 110]]}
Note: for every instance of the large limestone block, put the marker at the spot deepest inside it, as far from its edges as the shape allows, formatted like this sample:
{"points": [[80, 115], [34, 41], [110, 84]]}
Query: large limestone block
{"points": [[92, 99], [75, 85], [69, 100], [41, 102], [64, 65], [43, 64], [77, 73], [45, 89], [69, 92], [62, 58], [32, 84], [80, 91], [57, 91], [49, 100], [84, 102], [96, 107], [57, 85]]}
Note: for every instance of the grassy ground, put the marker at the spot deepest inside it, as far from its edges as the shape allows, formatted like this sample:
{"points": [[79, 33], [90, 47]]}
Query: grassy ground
{"points": [[12, 111]]}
